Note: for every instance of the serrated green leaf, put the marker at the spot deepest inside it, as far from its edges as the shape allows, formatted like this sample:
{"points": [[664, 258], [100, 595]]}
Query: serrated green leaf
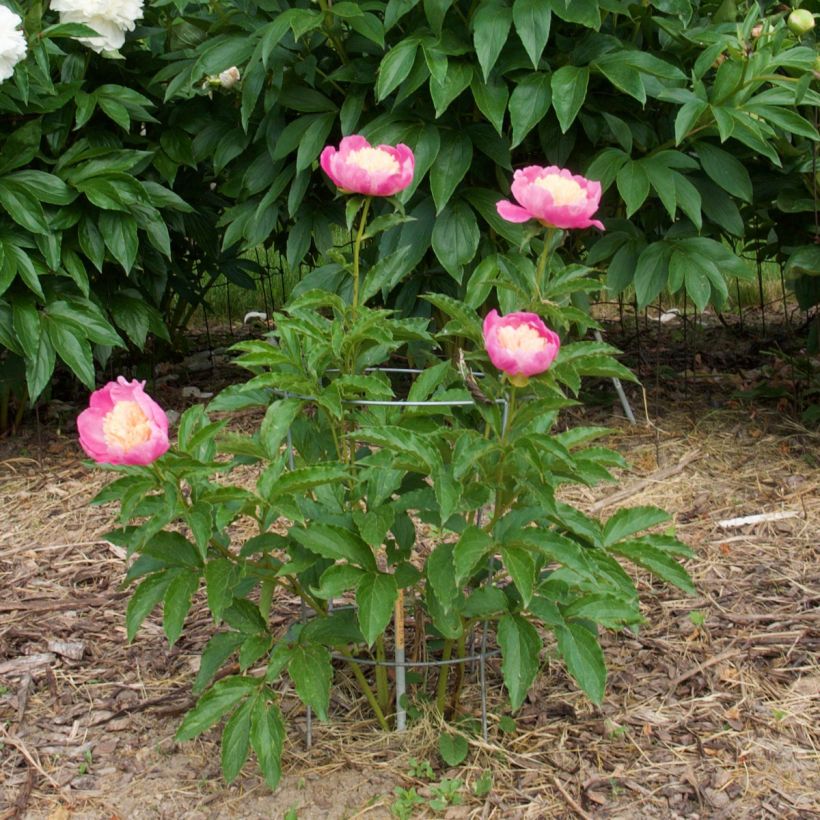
{"points": [[375, 596], [585, 662], [520, 648], [215, 704], [311, 671]]}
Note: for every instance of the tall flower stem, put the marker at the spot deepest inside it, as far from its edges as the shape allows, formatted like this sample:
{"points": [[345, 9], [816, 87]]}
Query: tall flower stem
{"points": [[382, 687], [356, 249], [542, 262], [366, 690], [443, 676]]}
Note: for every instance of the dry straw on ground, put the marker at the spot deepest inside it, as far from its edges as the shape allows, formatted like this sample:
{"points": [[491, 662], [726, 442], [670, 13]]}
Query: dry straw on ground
{"points": [[711, 710]]}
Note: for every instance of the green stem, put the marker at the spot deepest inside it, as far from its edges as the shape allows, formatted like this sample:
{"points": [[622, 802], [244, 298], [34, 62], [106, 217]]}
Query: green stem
{"points": [[356, 248], [443, 676], [460, 653], [542, 263], [382, 687], [366, 690], [331, 35]]}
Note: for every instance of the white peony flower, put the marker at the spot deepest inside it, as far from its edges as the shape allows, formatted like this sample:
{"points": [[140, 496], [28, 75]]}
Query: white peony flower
{"points": [[12, 42], [109, 18], [230, 77]]}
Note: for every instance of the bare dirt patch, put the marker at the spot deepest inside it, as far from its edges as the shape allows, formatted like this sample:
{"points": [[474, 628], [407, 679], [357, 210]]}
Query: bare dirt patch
{"points": [[712, 710]]}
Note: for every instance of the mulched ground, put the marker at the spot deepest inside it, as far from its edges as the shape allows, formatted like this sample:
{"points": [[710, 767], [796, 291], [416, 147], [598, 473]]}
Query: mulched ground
{"points": [[712, 710]]}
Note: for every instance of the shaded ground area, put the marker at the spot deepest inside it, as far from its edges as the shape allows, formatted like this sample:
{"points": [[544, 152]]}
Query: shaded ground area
{"points": [[712, 710]]}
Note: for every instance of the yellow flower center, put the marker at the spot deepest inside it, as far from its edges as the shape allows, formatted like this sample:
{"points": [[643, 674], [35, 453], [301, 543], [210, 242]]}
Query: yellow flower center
{"points": [[521, 339], [564, 191], [374, 161], [126, 426]]}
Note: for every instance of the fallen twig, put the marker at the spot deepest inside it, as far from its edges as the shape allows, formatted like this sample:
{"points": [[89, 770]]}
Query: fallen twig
{"points": [[638, 486], [732, 523], [571, 802]]}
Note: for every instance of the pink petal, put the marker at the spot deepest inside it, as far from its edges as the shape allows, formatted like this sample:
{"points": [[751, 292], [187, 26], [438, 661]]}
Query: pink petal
{"points": [[512, 213]]}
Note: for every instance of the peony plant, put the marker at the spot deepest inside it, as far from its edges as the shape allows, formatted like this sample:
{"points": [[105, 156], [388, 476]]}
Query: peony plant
{"points": [[352, 465]]}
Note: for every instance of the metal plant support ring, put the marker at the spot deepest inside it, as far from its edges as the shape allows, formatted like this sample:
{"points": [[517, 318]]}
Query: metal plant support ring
{"points": [[400, 664]]}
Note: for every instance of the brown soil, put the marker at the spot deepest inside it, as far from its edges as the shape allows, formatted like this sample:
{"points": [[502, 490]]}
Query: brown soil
{"points": [[711, 710]]}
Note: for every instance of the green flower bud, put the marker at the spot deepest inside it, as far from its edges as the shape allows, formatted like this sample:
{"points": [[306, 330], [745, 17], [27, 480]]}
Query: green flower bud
{"points": [[801, 21]]}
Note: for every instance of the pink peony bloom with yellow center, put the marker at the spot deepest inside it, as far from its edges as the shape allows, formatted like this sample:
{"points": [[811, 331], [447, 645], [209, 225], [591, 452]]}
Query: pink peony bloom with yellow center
{"points": [[360, 168], [123, 425], [554, 196], [520, 344]]}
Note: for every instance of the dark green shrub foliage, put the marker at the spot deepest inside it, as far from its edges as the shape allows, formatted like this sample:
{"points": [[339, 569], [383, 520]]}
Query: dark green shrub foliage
{"points": [[697, 117]]}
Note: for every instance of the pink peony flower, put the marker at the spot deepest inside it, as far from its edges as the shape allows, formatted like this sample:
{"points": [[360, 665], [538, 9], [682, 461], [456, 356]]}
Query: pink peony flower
{"points": [[359, 168], [553, 196], [520, 344], [123, 425]]}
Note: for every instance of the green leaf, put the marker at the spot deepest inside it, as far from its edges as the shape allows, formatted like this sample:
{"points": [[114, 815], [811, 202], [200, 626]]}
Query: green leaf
{"points": [[657, 562], [485, 602], [311, 671], [395, 66], [46, 187], [452, 748], [585, 12], [434, 11], [569, 90], [120, 235], [375, 596], [374, 524], [278, 420], [72, 347], [491, 27], [172, 548], [306, 478], [334, 542], [608, 610], [23, 207], [178, 603], [267, 738], [26, 324], [529, 103], [633, 185], [369, 26], [532, 24], [725, 170], [385, 274], [88, 318], [622, 75], [469, 553], [520, 648], [458, 78], [452, 163], [455, 237], [631, 520], [336, 580], [441, 575], [40, 368], [214, 704], [236, 740], [221, 576], [313, 140], [146, 596], [651, 272], [491, 98], [585, 662], [688, 114], [521, 567], [253, 648], [218, 649]]}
